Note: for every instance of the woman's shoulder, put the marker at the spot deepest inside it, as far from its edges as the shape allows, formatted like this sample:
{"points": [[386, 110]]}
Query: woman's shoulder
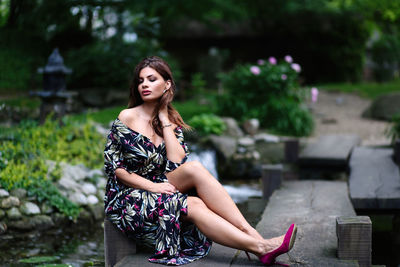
{"points": [[127, 115]]}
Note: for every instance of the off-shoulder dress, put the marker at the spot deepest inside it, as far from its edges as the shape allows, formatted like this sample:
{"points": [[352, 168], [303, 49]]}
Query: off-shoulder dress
{"points": [[153, 219]]}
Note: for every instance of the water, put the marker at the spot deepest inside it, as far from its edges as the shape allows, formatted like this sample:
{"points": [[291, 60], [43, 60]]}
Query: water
{"points": [[84, 246]]}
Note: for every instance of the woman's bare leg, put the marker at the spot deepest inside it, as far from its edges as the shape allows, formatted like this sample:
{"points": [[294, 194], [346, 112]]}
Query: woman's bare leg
{"points": [[221, 231], [194, 175]]}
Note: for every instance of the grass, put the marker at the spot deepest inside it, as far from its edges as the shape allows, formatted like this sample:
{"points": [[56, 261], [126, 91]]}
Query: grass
{"points": [[365, 89]]}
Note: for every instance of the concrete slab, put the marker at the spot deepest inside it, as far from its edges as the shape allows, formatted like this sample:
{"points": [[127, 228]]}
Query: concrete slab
{"points": [[313, 206], [374, 179], [329, 150]]}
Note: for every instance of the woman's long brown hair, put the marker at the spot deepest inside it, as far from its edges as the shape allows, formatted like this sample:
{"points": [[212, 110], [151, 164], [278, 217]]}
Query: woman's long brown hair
{"points": [[135, 99]]}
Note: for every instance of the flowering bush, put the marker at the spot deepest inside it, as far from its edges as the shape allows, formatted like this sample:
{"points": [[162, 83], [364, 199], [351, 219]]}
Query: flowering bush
{"points": [[268, 91]]}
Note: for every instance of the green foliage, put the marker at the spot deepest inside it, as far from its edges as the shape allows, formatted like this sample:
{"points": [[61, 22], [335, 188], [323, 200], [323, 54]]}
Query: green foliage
{"points": [[15, 69], [385, 53], [393, 132], [206, 124], [24, 151], [269, 92], [107, 64]]}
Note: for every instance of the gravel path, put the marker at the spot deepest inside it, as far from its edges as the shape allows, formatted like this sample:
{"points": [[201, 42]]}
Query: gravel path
{"points": [[340, 113]]}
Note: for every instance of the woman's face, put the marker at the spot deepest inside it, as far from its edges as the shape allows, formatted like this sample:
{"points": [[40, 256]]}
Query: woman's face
{"points": [[151, 84]]}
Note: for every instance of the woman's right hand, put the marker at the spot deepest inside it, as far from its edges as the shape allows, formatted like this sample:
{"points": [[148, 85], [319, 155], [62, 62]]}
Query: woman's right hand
{"points": [[163, 188]]}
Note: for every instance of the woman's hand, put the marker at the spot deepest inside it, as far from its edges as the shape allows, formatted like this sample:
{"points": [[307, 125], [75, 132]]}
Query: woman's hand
{"points": [[163, 116], [164, 188]]}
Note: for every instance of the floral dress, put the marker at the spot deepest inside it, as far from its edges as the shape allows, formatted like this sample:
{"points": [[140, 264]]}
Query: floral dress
{"points": [[152, 219]]}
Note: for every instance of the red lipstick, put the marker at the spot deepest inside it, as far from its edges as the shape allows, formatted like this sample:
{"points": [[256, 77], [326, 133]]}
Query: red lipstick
{"points": [[146, 92]]}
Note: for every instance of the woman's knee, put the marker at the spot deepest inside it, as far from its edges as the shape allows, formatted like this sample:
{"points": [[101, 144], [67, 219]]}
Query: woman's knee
{"points": [[192, 168]]}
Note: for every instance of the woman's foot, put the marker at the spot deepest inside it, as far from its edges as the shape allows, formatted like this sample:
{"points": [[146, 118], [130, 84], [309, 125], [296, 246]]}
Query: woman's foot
{"points": [[286, 244]]}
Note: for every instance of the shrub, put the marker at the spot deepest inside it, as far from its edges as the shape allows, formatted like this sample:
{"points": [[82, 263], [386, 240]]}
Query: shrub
{"points": [[269, 92], [206, 124]]}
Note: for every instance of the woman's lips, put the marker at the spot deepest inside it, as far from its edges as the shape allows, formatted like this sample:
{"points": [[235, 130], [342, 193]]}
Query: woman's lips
{"points": [[146, 92]]}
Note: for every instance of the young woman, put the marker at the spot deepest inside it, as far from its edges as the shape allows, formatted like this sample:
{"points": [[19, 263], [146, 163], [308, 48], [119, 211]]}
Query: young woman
{"points": [[145, 160]]}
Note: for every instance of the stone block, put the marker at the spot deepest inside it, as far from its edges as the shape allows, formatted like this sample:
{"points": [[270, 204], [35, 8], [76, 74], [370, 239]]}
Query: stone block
{"points": [[291, 150], [271, 178], [116, 244], [29, 208], [4, 193], [354, 234], [9, 202]]}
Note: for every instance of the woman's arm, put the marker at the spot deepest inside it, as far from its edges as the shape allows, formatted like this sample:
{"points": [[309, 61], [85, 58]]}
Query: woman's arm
{"points": [[175, 151], [136, 181]]}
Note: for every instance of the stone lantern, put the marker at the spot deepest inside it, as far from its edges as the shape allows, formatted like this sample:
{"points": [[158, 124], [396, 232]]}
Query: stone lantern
{"points": [[54, 96]]}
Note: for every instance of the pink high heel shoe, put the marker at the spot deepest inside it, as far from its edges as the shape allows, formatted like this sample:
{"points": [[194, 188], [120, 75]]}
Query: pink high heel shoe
{"points": [[287, 244]]}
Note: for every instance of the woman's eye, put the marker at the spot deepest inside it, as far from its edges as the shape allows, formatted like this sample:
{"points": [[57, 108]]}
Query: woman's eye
{"points": [[152, 80]]}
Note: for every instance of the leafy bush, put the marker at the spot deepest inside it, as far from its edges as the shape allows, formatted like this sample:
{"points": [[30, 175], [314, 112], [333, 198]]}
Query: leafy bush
{"points": [[24, 151], [385, 53], [269, 92], [206, 124], [393, 131]]}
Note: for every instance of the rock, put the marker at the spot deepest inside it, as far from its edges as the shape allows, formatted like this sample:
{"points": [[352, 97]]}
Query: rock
{"points": [[384, 107], [78, 198], [266, 138], [9, 202], [74, 172], [42, 222], [88, 189], [3, 228], [46, 209], [69, 184], [14, 214], [232, 128], [224, 145], [29, 208], [95, 173], [101, 183], [246, 142], [23, 224], [19, 193], [2, 214], [91, 200], [251, 126], [100, 194], [97, 211], [85, 216], [4, 193]]}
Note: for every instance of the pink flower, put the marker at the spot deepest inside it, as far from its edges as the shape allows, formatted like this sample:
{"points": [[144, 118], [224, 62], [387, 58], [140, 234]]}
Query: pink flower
{"points": [[283, 77], [261, 62], [255, 70], [288, 59], [272, 60], [314, 94], [296, 67]]}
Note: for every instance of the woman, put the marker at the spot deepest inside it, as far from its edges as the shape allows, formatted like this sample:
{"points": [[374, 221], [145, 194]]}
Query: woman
{"points": [[146, 196]]}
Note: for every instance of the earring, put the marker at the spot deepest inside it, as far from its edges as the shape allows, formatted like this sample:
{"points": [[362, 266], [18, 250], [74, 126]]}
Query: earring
{"points": [[164, 91]]}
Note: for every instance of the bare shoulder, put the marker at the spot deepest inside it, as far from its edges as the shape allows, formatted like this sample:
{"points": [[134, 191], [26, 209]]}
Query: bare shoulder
{"points": [[128, 115]]}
